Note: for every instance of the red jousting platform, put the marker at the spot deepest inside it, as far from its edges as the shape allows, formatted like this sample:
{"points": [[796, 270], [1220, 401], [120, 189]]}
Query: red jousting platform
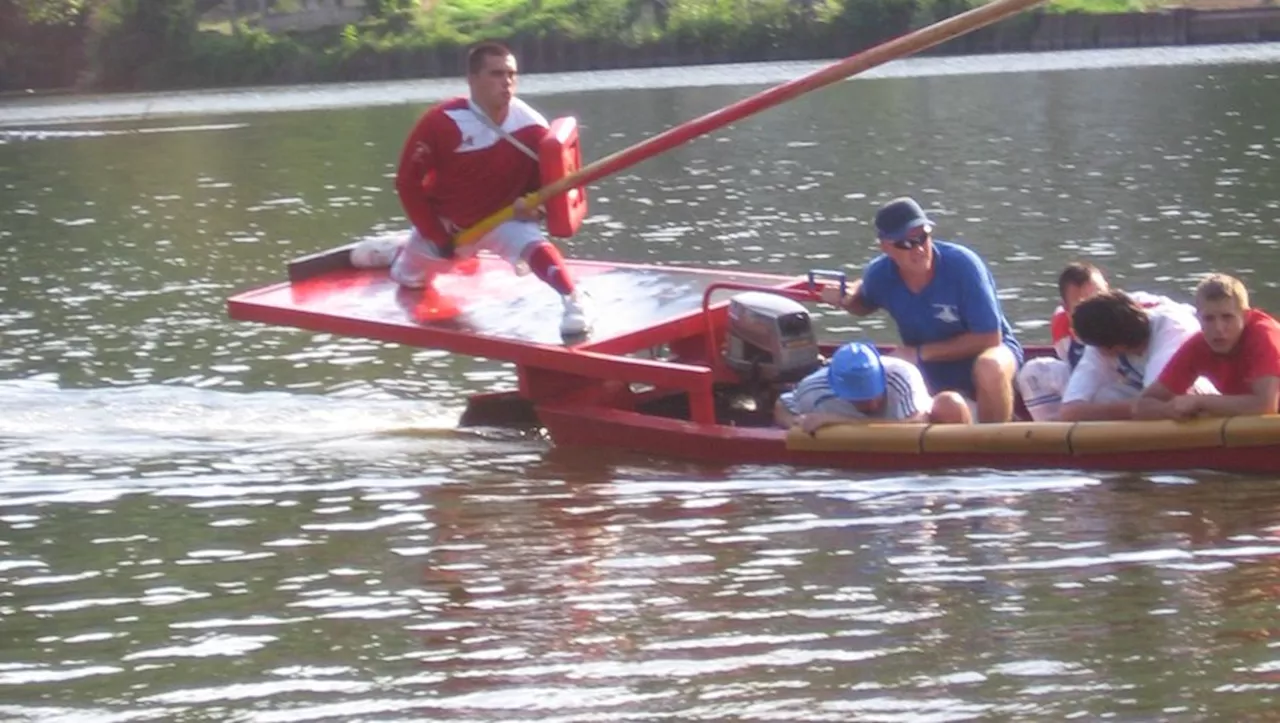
{"points": [[650, 377]]}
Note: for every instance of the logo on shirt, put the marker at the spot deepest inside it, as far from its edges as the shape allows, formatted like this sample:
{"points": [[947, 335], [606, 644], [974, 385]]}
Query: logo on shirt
{"points": [[947, 313], [1129, 372], [467, 142]]}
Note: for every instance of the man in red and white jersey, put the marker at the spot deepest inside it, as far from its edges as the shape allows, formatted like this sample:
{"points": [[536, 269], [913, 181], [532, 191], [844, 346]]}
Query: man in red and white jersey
{"points": [[1238, 349], [466, 159], [1128, 345]]}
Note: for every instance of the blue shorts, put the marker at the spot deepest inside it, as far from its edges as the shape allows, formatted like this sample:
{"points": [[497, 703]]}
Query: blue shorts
{"points": [[957, 375]]}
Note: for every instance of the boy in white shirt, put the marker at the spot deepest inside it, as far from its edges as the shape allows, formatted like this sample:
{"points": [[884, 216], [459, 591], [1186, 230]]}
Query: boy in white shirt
{"points": [[1043, 380], [1128, 345]]}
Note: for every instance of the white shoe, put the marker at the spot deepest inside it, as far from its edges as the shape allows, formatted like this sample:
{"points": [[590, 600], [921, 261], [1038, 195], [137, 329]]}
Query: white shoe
{"points": [[578, 315], [376, 253]]}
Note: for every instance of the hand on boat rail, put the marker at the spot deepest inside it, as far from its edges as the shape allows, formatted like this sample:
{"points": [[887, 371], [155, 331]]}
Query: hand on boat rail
{"points": [[815, 274]]}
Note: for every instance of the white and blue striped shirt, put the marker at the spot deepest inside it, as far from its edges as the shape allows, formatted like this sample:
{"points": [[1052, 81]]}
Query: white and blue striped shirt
{"points": [[905, 391]]}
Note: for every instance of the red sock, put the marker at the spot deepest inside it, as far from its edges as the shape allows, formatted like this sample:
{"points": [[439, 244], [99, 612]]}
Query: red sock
{"points": [[547, 264]]}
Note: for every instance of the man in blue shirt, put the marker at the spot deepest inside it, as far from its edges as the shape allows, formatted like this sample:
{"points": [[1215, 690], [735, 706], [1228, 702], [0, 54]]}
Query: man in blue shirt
{"points": [[943, 299]]}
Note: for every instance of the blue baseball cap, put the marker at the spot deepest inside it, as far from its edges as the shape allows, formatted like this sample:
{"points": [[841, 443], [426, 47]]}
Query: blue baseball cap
{"points": [[898, 217], [856, 373]]}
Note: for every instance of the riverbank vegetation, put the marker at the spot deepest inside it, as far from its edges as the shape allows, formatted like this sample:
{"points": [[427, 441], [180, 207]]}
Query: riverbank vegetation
{"points": [[149, 44]]}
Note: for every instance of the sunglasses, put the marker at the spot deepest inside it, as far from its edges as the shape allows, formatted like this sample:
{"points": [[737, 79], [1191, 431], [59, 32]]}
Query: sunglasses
{"points": [[912, 241]]}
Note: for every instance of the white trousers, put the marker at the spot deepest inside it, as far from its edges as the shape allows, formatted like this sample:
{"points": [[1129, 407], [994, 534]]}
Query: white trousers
{"points": [[419, 257], [1042, 380]]}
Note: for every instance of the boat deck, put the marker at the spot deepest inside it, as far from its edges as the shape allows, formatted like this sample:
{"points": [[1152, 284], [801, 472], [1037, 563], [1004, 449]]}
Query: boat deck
{"points": [[486, 309]]}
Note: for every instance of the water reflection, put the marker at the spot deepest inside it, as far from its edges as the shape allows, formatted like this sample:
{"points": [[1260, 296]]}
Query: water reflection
{"points": [[578, 595], [209, 519]]}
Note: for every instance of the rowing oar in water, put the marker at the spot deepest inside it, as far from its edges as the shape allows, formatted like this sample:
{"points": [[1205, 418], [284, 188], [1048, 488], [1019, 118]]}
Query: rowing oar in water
{"points": [[899, 47]]}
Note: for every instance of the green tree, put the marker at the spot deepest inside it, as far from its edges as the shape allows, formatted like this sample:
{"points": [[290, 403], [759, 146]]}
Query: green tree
{"points": [[134, 39], [41, 12], [41, 42], [385, 8]]}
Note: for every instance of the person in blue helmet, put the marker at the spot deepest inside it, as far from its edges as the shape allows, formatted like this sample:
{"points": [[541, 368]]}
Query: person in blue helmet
{"points": [[943, 299], [859, 385]]}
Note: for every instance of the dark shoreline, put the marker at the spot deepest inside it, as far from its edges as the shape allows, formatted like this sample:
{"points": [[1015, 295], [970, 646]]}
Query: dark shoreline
{"points": [[1030, 32]]}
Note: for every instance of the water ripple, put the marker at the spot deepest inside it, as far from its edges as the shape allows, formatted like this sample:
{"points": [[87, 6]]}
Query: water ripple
{"points": [[210, 520]]}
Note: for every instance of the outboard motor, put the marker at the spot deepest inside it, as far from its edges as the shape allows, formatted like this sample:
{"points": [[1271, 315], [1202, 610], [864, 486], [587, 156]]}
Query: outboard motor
{"points": [[770, 338]]}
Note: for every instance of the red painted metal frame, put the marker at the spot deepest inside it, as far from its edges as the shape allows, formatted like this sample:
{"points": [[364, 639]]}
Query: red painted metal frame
{"points": [[558, 369]]}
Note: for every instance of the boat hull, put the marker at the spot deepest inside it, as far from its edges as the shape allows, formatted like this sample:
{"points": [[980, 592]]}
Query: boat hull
{"points": [[583, 426]]}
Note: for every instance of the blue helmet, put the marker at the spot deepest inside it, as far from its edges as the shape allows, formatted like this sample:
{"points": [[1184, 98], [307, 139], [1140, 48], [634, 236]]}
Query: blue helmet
{"points": [[856, 373]]}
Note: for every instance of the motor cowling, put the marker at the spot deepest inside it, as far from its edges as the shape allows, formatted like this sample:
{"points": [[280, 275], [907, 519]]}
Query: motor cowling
{"points": [[770, 338]]}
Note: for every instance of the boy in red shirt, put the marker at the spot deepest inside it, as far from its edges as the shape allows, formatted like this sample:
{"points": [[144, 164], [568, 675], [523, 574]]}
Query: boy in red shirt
{"points": [[1238, 350]]}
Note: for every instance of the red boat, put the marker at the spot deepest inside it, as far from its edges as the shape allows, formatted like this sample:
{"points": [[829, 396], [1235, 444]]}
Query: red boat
{"points": [[678, 365]]}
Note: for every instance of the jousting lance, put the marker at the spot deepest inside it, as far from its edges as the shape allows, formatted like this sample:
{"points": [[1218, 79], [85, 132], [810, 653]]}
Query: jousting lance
{"points": [[893, 49]]}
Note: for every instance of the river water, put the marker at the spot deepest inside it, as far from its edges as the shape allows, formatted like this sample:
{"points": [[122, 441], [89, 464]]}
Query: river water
{"points": [[211, 520]]}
